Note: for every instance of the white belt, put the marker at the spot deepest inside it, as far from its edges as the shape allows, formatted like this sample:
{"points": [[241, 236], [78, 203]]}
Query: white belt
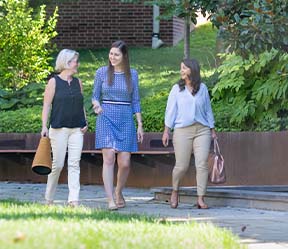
{"points": [[115, 102]]}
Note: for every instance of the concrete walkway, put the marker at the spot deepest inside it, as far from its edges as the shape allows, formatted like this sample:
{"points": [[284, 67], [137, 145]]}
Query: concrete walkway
{"points": [[259, 229]]}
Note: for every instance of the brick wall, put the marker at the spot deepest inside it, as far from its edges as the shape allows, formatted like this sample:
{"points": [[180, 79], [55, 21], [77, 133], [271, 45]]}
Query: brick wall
{"points": [[97, 23], [178, 30]]}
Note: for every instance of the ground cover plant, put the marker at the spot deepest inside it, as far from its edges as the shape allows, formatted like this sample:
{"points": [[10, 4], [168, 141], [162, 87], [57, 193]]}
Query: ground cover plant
{"points": [[30, 225]]}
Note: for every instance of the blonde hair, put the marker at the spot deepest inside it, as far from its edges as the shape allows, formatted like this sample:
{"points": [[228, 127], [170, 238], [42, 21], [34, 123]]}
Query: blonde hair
{"points": [[63, 59]]}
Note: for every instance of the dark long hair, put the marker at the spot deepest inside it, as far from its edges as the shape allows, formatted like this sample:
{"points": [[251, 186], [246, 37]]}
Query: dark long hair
{"points": [[124, 50], [195, 77]]}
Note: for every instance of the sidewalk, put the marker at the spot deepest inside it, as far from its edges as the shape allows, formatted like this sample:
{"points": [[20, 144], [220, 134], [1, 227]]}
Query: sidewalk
{"points": [[260, 229]]}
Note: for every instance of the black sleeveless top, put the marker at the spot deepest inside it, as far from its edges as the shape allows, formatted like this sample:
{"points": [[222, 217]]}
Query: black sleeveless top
{"points": [[67, 105]]}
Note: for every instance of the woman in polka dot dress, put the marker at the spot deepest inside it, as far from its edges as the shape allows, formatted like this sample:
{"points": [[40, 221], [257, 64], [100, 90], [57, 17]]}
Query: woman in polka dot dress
{"points": [[115, 100]]}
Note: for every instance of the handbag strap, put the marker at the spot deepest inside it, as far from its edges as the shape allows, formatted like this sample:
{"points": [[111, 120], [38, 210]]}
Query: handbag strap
{"points": [[216, 147]]}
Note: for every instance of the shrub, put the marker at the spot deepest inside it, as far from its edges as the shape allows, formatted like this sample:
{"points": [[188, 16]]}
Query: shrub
{"points": [[251, 94], [27, 96], [28, 120], [22, 120], [24, 43], [153, 111]]}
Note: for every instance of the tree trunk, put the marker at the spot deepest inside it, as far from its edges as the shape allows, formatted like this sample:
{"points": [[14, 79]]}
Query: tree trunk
{"points": [[187, 37]]}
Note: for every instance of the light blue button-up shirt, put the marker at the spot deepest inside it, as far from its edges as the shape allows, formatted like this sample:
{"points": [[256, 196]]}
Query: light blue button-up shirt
{"points": [[183, 109]]}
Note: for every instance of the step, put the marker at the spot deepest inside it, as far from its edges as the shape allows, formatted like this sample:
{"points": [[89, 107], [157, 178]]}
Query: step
{"points": [[260, 197]]}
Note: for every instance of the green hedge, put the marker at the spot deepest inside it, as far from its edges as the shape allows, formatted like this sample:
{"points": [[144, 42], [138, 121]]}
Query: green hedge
{"points": [[22, 120], [28, 120]]}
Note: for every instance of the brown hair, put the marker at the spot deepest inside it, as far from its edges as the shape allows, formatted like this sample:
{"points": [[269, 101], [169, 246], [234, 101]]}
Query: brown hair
{"points": [[195, 77], [124, 50]]}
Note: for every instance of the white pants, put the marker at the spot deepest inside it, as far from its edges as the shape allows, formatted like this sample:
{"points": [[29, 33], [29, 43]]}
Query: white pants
{"points": [[61, 139]]}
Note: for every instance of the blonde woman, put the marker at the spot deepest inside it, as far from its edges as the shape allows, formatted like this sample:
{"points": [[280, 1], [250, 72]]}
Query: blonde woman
{"points": [[63, 100]]}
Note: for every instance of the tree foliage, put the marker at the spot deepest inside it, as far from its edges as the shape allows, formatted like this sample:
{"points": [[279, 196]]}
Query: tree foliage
{"points": [[25, 46], [251, 91], [180, 8], [184, 8], [252, 26]]}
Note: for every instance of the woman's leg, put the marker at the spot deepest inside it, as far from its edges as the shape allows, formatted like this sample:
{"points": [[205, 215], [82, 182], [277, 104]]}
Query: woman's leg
{"points": [[108, 175], [182, 142], [201, 148], [59, 141], [123, 161], [75, 145]]}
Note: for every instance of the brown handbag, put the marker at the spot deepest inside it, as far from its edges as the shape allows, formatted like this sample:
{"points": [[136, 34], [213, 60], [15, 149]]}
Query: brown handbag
{"points": [[42, 163], [216, 166]]}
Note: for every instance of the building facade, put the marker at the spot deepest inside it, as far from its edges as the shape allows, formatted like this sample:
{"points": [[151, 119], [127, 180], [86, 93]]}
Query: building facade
{"points": [[90, 24]]}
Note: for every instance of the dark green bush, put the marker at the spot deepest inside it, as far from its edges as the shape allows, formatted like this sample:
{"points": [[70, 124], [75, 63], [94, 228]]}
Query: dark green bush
{"points": [[22, 120], [28, 120], [251, 94], [27, 96], [153, 111]]}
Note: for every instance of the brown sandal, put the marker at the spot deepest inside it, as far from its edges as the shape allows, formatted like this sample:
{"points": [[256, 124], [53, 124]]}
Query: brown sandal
{"points": [[112, 206], [201, 206], [174, 199], [120, 201]]}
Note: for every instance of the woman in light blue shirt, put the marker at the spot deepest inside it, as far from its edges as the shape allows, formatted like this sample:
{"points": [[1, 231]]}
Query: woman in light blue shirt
{"points": [[189, 113]]}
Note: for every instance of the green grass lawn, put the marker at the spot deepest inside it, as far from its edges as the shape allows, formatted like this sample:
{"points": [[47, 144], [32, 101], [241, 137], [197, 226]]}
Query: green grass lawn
{"points": [[28, 225], [158, 71], [157, 68]]}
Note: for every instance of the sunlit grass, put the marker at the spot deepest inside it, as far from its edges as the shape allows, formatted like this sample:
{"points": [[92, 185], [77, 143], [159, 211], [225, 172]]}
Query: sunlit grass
{"points": [[158, 68], [28, 225]]}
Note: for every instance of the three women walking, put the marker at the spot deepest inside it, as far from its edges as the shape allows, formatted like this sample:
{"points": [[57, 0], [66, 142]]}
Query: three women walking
{"points": [[116, 100]]}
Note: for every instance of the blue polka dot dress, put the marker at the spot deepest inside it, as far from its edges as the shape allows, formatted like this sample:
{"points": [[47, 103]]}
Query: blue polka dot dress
{"points": [[115, 127]]}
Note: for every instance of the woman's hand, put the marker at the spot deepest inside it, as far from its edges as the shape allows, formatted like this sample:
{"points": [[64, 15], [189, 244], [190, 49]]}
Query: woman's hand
{"points": [[44, 132], [84, 129], [97, 109], [213, 134], [165, 138], [140, 134]]}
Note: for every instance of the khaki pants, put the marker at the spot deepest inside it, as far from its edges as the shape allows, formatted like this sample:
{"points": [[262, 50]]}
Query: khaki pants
{"points": [[196, 138], [61, 139]]}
